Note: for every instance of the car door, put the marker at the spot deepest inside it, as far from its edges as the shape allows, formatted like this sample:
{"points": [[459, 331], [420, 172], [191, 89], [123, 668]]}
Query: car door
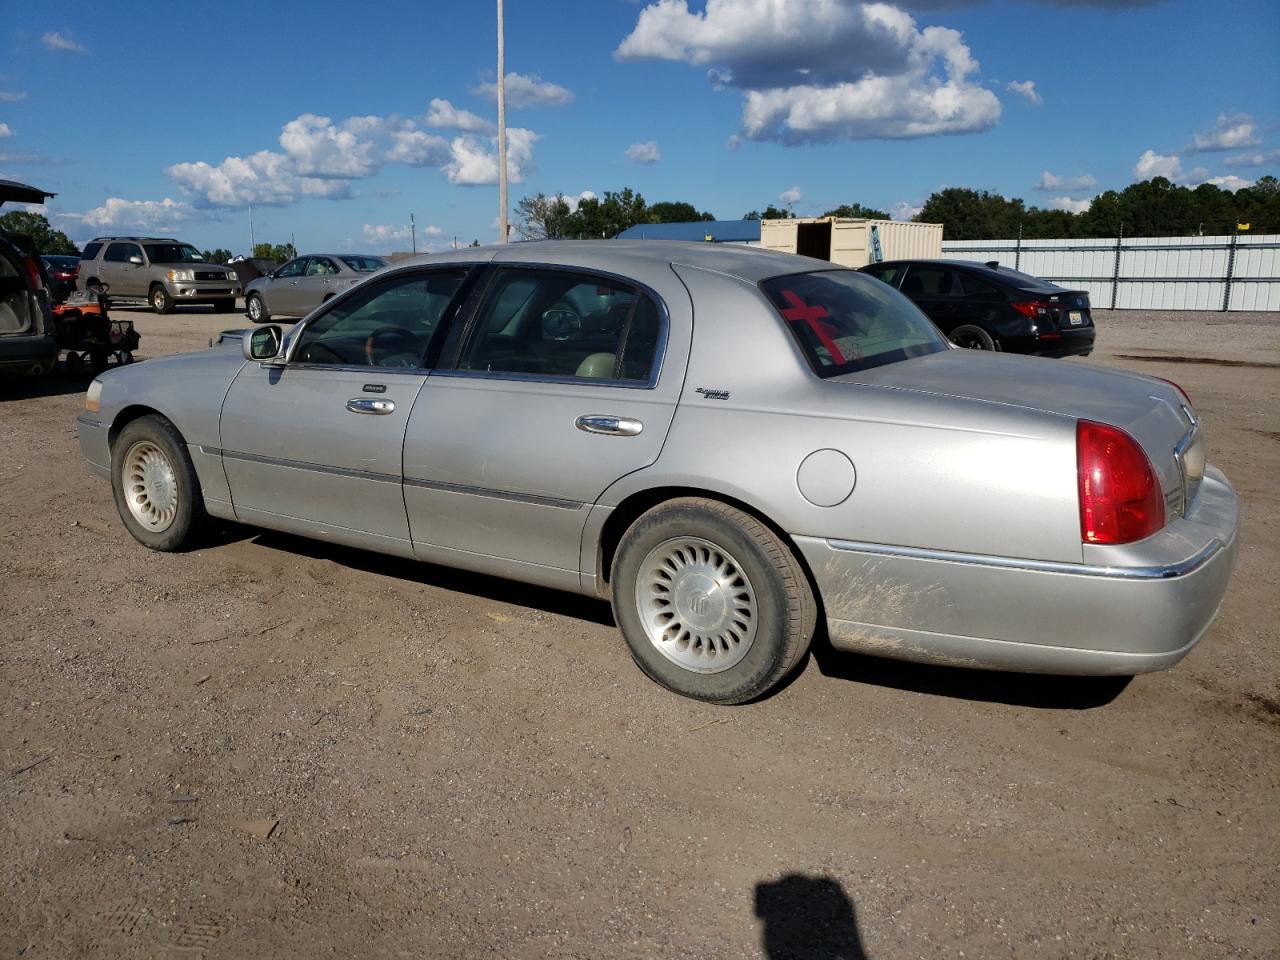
{"points": [[556, 389], [114, 260], [932, 288], [284, 295], [314, 445], [317, 283]]}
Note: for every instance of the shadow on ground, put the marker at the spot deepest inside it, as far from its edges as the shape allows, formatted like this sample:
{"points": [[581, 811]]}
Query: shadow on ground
{"points": [[807, 918], [14, 387]]}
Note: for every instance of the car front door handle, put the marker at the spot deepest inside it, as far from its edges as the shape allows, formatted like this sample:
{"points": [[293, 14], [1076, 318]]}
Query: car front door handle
{"points": [[374, 407], [609, 425]]}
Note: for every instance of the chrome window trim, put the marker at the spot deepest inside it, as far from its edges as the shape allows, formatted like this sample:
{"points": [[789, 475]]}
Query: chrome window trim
{"points": [[1167, 572], [660, 346]]}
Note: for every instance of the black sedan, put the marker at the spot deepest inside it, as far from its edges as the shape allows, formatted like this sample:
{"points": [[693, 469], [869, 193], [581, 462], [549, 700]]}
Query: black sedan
{"points": [[993, 307], [62, 273]]}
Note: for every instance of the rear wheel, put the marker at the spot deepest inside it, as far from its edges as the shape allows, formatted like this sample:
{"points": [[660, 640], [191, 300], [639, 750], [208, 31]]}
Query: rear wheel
{"points": [[973, 338], [155, 486], [161, 301], [712, 603], [256, 309]]}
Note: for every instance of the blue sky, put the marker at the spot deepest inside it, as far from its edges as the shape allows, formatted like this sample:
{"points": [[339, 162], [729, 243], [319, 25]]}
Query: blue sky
{"points": [[337, 121]]}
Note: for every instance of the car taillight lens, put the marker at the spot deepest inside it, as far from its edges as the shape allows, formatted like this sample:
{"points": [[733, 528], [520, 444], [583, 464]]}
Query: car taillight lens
{"points": [[1179, 389], [1120, 500], [1032, 309]]}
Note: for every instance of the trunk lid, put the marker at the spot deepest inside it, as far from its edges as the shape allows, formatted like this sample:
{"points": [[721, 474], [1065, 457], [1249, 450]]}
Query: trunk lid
{"points": [[1150, 410]]}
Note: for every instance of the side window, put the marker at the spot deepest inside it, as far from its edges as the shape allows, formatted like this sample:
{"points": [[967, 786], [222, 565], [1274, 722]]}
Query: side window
{"points": [[319, 267], [390, 325], [91, 250], [561, 324], [927, 282], [889, 275], [293, 268], [975, 288], [118, 253]]}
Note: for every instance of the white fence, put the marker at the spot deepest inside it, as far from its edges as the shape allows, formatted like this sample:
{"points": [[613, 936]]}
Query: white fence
{"points": [[1147, 273]]}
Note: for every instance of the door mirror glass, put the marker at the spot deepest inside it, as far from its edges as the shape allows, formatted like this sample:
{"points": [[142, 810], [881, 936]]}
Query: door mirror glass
{"points": [[262, 343], [135, 259]]}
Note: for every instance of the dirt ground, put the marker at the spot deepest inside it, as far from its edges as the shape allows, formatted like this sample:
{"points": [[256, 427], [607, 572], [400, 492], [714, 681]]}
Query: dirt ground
{"points": [[269, 747]]}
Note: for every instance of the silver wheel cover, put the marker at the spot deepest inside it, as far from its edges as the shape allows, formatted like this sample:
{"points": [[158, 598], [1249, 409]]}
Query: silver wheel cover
{"points": [[255, 308], [150, 486], [696, 605]]}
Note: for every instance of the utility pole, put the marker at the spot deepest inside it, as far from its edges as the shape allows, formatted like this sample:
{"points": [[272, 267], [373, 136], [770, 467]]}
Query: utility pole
{"points": [[413, 232], [252, 242], [502, 132]]}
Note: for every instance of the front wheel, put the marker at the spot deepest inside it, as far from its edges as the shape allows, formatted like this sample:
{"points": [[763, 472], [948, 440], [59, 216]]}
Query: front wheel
{"points": [[973, 338], [712, 603], [161, 301], [256, 309], [156, 490]]}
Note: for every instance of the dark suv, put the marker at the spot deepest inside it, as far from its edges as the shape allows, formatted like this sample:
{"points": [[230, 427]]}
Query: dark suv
{"points": [[160, 270], [993, 307]]}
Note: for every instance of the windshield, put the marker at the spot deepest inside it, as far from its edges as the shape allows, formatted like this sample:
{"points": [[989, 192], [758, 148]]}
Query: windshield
{"points": [[173, 253], [846, 321], [364, 264]]}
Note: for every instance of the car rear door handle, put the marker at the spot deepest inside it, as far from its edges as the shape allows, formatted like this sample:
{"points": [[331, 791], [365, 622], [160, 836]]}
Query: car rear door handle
{"points": [[609, 425], [375, 407]]}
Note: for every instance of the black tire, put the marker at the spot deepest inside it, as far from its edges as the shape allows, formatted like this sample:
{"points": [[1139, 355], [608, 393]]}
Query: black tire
{"points": [[785, 609], [255, 309], [225, 306], [74, 365], [161, 301], [189, 515], [973, 338], [97, 361]]}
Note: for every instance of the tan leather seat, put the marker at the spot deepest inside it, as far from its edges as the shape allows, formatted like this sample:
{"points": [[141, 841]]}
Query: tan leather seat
{"points": [[596, 366]]}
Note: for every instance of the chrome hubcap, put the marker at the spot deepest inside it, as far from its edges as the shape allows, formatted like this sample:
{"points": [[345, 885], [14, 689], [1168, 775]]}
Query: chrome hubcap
{"points": [[696, 604], [255, 308], [150, 487]]}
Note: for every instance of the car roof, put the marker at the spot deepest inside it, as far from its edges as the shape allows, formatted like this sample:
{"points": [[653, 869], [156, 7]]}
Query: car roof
{"points": [[337, 256], [751, 264]]}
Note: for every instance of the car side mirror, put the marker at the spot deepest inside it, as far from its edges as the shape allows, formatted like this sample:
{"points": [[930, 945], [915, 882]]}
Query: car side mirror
{"points": [[262, 343], [135, 259]]}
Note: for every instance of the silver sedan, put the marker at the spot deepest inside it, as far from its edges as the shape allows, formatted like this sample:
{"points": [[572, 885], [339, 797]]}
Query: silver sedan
{"points": [[302, 284], [733, 446]]}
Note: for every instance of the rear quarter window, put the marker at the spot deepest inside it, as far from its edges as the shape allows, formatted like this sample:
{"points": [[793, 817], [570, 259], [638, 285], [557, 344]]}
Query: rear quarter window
{"points": [[91, 250], [845, 321]]}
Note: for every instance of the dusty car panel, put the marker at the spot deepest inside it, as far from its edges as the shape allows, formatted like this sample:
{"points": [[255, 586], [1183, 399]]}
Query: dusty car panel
{"points": [[642, 422]]}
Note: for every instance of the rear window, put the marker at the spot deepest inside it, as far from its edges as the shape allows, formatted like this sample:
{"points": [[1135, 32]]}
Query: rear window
{"points": [[1024, 281], [845, 321], [364, 264]]}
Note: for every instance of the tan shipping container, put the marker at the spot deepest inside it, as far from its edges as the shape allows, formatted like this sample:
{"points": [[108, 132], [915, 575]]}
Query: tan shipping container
{"points": [[847, 242]]}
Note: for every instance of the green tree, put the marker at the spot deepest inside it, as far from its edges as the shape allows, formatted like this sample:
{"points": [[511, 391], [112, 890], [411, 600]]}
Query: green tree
{"points": [[539, 217], [972, 215], [38, 228], [677, 211], [770, 213], [857, 211], [279, 252], [607, 216], [216, 255]]}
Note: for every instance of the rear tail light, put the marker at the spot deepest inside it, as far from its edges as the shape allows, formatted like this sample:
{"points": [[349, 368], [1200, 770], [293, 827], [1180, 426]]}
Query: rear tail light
{"points": [[1179, 389], [1120, 500], [1032, 309]]}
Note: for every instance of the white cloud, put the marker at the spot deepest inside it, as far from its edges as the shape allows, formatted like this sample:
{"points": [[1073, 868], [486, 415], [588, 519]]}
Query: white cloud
{"points": [[442, 113], [644, 153], [1152, 164], [5, 131], [40, 208], [385, 235], [318, 148], [12, 96], [1255, 159], [789, 197], [527, 90], [1027, 89], [475, 161], [415, 148], [1050, 182], [1070, 204], [53, 40], [1231, 132], [819, 70], [116, 213], [1229, 182], [902, 210], [265, 177]]}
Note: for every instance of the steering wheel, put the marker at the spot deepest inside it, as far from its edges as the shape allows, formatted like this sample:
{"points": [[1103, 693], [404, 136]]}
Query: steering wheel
{"points": [[561, 322], [401, 349]]}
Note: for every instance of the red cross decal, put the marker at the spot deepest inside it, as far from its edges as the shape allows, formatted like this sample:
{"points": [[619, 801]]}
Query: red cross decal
{"points": [[801, 312]]}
